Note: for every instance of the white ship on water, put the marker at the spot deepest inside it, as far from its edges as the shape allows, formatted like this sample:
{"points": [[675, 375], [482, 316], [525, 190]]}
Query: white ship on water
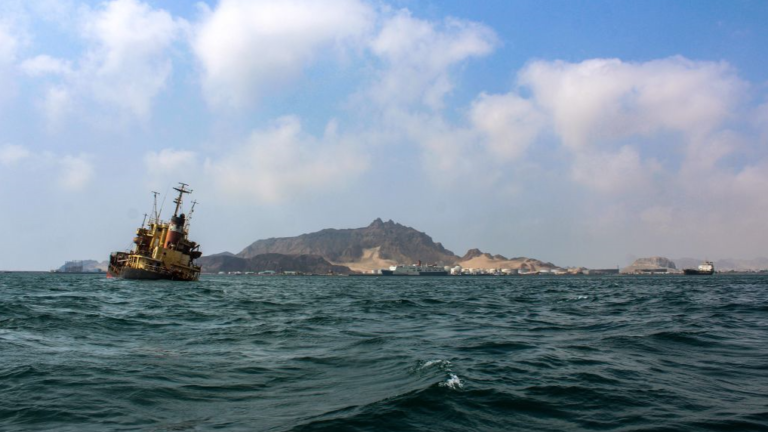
{"points": [[415, 270]]}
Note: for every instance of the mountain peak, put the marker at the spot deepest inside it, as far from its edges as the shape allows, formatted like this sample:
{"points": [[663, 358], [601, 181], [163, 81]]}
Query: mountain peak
{"points": [[472, 253], [388, 241], [379, 223]]}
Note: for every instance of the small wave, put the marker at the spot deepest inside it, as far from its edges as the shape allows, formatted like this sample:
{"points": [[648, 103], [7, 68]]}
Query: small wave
{"points": [[574, 298], [374, 341], [441, 363], [683, 337], [453, 382], [497, 347]]}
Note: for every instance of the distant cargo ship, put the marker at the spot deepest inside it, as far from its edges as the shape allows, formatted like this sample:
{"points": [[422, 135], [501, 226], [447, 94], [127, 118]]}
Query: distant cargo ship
{"points": [[415, 270], [705, 269], [161, 250]]}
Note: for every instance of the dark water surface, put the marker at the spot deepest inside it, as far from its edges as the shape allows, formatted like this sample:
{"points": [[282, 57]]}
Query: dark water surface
{"points": [[80, 352]]}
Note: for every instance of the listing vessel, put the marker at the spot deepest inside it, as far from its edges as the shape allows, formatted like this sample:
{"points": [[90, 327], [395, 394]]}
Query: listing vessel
{"points": [[705, 269], [161, 249], [415, 270]]}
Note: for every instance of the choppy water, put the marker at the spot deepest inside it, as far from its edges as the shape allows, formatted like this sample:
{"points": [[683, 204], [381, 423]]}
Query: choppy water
{"points": [[82, 352]]}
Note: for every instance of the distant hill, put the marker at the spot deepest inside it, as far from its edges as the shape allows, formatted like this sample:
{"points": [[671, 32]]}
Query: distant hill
{"points": [[655, 264], [474, 258], [308, 264], [88, 265], [378, 245]]}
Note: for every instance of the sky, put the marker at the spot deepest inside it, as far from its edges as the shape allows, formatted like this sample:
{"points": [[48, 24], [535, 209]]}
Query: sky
{"points": [[580, 133]]}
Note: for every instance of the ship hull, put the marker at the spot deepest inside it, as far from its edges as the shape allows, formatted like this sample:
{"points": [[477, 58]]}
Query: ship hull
{"points": [[138, 274], [693, 272], [141, 274]]}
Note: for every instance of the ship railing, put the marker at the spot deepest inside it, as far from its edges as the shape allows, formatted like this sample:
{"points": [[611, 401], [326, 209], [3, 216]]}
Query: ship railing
{"points": [[157, 268]]}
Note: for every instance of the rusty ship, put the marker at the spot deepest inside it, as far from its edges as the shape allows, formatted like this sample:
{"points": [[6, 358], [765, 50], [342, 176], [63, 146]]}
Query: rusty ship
{"points": [[161, 249]]}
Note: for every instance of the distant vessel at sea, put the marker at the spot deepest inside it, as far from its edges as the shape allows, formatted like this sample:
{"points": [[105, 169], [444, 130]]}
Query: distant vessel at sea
{"points": [[705, 269], [415, 270], [161, 250]]}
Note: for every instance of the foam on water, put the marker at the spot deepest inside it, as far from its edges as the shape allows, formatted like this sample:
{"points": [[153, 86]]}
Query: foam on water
{"points": [[453, 382], [442, 364]]}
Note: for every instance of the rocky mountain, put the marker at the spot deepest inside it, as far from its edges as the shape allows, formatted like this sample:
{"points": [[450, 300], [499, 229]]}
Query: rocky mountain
{"points": [[308, 264], [650, 264], [380, 244]]}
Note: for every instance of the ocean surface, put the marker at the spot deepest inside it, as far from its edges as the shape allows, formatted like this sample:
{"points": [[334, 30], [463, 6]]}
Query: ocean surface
{"points": [[653, 353]]}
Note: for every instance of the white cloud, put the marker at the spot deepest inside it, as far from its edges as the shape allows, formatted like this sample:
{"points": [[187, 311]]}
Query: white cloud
{"points": [[283, 162], [10, 154], [419, 54], [247, 47], [616, 118], [169, 161], [56, 104], [607, 99], [9, 44], [75, 172], [614, 172], [169, 166], [72, 173], [509, 123], [125, 65], [128, 62], [44, 64]]}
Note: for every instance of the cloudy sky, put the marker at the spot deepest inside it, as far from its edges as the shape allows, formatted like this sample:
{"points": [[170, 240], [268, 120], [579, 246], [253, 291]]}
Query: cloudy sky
{"points": [[580, 133]]}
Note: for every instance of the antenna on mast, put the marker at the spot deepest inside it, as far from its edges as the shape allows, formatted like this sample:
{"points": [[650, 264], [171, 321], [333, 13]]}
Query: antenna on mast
{"points": [[182, 190], [154, 216], [189, 215]]}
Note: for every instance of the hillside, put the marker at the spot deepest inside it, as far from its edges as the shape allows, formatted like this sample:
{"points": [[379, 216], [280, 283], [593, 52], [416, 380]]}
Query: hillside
{"points": [[474, 258], [651, 264], [308, 264], [88, 265], [378, 245]]}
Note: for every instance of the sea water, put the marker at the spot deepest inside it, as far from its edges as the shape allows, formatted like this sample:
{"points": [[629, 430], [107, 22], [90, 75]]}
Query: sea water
{"points": [[81, 352]]}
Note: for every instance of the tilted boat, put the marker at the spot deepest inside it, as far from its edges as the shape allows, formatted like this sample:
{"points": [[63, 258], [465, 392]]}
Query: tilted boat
{"points": [[705, 269], [161, 249]]}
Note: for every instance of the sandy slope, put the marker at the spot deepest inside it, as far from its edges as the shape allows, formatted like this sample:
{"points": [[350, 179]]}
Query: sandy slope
{"points": [[485, 262], [369, 261], [372, 261]]}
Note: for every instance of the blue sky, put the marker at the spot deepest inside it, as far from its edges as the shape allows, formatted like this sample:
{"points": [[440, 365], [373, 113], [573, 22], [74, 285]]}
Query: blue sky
{"points": [[580, 133]]}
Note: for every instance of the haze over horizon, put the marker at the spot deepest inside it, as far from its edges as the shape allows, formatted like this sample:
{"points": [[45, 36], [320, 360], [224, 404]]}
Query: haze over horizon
{"points": [[579, 133]]}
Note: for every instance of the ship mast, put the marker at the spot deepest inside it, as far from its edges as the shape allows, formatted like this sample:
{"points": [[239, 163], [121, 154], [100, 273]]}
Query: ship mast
{"points": [[182, 190], [189, 215], [154, 217]]}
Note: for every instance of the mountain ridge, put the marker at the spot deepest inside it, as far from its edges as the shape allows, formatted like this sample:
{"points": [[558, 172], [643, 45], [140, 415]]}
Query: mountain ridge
{"points": [[382, 241]]}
